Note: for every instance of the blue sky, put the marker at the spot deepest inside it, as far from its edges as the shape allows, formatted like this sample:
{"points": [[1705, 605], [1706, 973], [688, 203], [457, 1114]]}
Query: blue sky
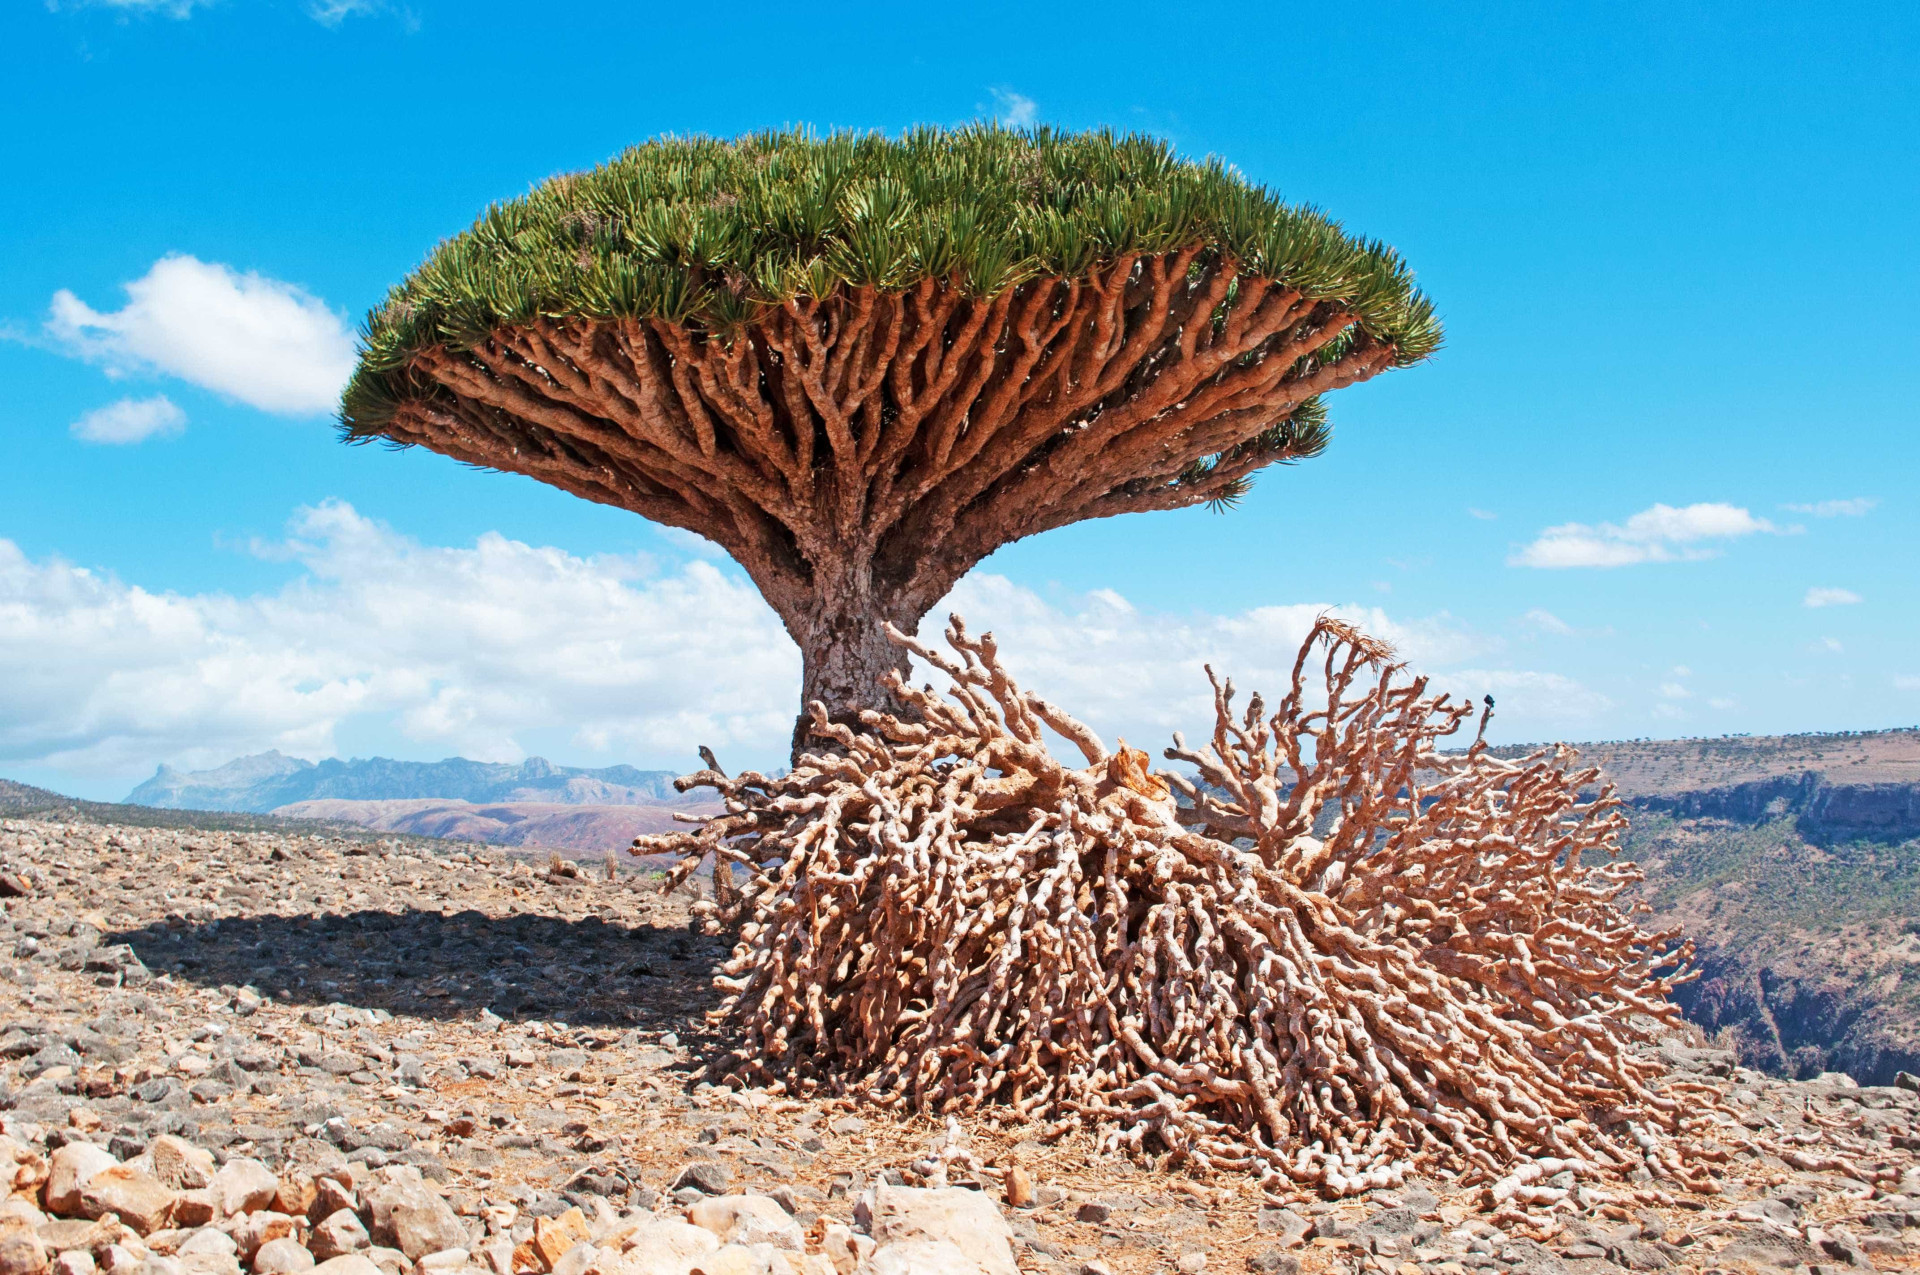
{"points": [[1672, 245]]}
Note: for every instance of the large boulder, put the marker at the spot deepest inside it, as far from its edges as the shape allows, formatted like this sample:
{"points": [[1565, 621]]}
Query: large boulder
{"points": [[408, 1214], [179, 1164], [347, 1264], [282, 1257], [967, 1220], [338, 1234], [748, 1220], [73, 1167], [741, 1259], [21, 1252], [136, 1197], [242, 1186], [921, 1257], [654, 1246], [209, 1251], [554, 1237]]}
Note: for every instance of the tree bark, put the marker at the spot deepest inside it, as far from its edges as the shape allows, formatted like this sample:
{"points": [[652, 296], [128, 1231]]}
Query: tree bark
{"points": [[857, 452], [846, 657]]}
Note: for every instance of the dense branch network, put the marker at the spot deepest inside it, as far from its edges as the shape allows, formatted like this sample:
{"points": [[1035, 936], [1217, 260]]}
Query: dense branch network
{"points": [[1333, 956], [907, 434]]}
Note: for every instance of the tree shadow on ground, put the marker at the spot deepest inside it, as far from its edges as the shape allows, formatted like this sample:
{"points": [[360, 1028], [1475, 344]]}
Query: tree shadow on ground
{"points": [[424, 964]]}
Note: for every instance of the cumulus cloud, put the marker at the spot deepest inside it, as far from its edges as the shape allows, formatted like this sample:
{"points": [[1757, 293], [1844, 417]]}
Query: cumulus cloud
{"points": [[1857, 507], [460, 648], [1015, 110], [470, 649], [1124, 670], [131, 420], [266, 343], [1661, 533], [1818, 597]]}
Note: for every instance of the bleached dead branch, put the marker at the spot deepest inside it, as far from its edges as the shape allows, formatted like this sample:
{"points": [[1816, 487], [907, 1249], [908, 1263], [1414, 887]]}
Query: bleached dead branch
{"points": [[1338, 955]]}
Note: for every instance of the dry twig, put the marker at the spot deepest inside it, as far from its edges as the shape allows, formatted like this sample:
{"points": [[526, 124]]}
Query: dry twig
{"points": [[1337, 956]]}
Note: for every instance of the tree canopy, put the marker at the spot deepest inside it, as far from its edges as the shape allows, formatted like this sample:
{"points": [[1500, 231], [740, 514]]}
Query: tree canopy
{"points": [[861, 364], [704, 232]]}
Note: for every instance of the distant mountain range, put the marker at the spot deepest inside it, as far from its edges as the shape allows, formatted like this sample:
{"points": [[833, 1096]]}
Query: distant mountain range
{"points": [[266, 782]]}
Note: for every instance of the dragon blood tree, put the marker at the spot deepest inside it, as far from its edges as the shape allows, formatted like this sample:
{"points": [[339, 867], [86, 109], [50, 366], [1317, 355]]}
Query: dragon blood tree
{"points": [[860, 365]]}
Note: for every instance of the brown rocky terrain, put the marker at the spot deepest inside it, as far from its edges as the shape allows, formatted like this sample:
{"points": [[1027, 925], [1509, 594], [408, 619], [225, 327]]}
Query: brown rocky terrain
{"points": [[1794, 863], [340, 1013], [1658, 767], [585, 829]]}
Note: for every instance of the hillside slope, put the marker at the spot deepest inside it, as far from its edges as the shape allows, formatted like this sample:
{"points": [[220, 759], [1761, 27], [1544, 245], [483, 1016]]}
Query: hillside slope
{"points": [[1809, 945], [587, 829], [267, 781]]}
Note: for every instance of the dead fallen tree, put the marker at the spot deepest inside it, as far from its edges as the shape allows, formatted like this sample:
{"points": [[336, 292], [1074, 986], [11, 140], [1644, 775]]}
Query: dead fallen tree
{"points": [[1337, 956]]}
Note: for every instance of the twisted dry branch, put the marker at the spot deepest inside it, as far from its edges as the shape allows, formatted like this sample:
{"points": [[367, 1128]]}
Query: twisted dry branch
{"points": [[1332, 956]]}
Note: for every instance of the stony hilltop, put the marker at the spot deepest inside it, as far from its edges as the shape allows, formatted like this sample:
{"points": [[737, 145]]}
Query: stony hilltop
{"points": [[268, 781], [1794, 863], [260, 1050]]}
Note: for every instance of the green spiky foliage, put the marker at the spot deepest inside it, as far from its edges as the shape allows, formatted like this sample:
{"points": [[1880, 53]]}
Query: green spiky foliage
{"points": [[862, 363]]}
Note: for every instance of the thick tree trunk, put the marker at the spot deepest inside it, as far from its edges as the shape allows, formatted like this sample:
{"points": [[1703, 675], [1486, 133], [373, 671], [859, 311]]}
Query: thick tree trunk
{"points": [[841, 632]]}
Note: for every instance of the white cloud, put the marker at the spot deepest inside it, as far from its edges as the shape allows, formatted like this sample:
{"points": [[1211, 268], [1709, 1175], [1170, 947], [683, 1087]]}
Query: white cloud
{"points": [[463, 649], [1661, 533], [470, 650], [1673, 690], [170, 8], [1681, 670], [1536, 705], [689, 542], [1857, 507], [1015, 110], [130, 421], [1906, 683], [331, 13], [1723, 703], [269, 344], [1482, 514], [327, 12], [1827, 646], [1141, 674], [1547, 622], [1819, 597]]}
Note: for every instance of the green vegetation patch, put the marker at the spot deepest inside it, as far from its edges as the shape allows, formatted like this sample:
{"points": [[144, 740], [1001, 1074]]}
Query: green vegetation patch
{"points": [[1779, 879], [706, 233]]}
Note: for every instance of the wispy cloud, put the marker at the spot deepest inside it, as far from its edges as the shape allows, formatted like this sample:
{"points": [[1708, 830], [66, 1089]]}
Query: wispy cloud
{"points": [[131, 420], [1547, 622], [331, 13], [1827, 646], [266, 343], [1015, 110], [1818, 597], [1484, 515], [1661, 533], [1906, 682], [164, 8], [1857, 507]]}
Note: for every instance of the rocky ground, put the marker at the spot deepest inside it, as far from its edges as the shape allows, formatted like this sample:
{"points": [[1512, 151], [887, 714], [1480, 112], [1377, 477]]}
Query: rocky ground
{"points": [[257, 1051]]}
